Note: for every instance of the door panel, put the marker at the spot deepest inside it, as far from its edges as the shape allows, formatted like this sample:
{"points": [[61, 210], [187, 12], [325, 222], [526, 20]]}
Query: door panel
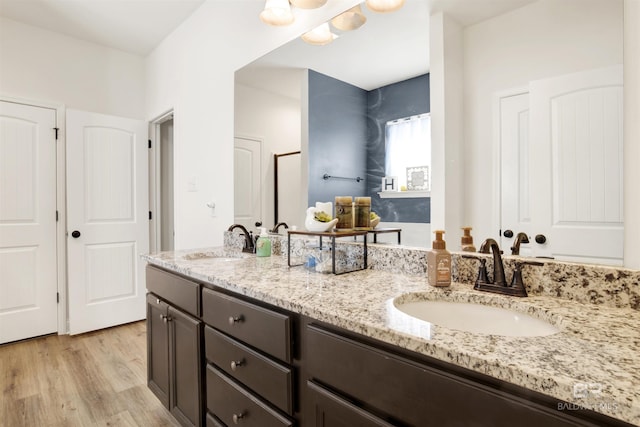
{"points": [[108, 191], [103, 284], [107, 202], [28, 272]]}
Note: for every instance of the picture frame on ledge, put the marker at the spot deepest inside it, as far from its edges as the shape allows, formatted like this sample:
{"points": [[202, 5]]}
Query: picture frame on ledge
{"points": [[418, 178]]}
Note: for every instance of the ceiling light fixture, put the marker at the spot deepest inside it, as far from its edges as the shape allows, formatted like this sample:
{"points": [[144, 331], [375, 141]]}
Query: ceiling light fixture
{"points": [[308, 4], [320, 35], [277, 12], [352, 19], [384, 6]]}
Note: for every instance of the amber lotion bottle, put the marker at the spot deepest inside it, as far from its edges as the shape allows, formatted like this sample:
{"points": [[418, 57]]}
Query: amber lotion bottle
{"points": [[439, 262]]}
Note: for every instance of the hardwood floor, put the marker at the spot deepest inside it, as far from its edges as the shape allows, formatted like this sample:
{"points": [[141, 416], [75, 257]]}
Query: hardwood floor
{"points": [[94, 379]]}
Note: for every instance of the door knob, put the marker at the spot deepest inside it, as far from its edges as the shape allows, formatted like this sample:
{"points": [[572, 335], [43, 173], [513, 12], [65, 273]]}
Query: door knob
{"points": [[508, 234], [75, 234], [541, 238]]}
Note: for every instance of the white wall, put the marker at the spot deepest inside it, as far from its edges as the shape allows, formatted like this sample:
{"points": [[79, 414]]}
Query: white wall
{"points": [[192, 72], [40, 65], [632, 133], [276, 120], [447, 188], [543, 39]]}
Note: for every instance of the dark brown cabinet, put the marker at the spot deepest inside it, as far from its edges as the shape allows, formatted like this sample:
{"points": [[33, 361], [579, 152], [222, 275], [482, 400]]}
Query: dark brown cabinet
{"points": [[174, 349], [248, 350], [158, 348], [356, 379], [220, 359]]}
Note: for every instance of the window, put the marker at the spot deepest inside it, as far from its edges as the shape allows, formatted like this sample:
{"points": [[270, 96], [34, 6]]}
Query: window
{"points": [[408, 145]]}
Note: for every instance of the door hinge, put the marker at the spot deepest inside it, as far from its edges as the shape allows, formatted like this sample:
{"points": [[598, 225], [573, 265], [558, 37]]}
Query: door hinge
{"points": [[57, 216], [149, 143], [150, 216], [56, 129], [58, 297]]}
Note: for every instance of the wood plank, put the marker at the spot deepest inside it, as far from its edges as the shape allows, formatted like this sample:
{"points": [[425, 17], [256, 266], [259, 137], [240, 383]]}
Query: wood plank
{"points": [[94, 379]]}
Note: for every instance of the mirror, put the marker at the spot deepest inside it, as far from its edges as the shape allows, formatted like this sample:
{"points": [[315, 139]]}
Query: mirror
{"points": [[346, 66]]}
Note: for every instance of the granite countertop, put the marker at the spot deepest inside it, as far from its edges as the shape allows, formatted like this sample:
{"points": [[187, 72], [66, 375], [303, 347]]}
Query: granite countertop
{"points": [[593, 362]]}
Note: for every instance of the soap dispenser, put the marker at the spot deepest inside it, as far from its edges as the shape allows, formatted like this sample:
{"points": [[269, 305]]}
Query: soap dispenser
{"points": [[263, 244], [439, 262], [466, 244]]}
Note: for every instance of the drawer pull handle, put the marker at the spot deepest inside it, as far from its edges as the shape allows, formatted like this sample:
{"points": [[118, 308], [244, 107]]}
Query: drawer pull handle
{"points": [[237, 417], [235, 319], [236, 364]]}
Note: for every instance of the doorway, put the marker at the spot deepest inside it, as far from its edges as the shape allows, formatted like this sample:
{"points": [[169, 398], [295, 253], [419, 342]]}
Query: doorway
{"points": [[162, 183]]}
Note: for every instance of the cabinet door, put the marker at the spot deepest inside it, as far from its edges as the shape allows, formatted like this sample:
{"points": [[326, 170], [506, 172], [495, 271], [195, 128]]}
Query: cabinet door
{"points": [[330, 410], [185, 355], [158, 348]]}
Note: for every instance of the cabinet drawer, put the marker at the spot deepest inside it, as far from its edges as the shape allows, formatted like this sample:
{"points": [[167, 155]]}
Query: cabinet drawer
{"points": [[412, 393], [331, 410], [232, 404], [180, 292], [263, 329], [269, 379], [212, 421]]}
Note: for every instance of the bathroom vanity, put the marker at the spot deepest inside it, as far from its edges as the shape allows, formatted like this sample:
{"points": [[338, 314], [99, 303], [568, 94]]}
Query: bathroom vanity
{"points": [[263, 344]]}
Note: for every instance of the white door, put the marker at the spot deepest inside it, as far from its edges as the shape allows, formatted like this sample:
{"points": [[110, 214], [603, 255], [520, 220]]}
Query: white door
{"points": [[576, 160], [290, 208], [107, 219], [247, 196], [28, 273], [515, 176]]}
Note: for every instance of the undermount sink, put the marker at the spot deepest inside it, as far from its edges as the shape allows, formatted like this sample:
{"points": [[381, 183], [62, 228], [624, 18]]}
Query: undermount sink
{"points": [[210, 255], [477, 318]]}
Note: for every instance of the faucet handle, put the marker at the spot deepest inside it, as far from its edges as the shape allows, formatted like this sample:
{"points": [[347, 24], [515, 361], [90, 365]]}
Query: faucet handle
{"points": [[516, 280], [483, 276]]}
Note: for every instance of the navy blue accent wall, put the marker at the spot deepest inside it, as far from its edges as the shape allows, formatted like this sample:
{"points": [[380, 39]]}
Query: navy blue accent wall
{"points": [[395, 101], [337, 138]]}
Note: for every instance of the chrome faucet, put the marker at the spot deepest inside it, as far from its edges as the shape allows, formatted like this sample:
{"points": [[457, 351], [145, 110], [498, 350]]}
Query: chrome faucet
{"points": [[278, 225], [498, 266], [520, 238], [249, 244]]}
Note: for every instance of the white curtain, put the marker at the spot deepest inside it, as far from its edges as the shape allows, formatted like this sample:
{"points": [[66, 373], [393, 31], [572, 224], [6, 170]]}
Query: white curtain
{"points": [[407, 144]]}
